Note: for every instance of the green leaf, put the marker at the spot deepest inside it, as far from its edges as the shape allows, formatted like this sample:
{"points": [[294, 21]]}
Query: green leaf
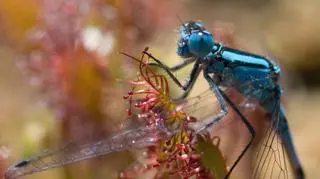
{"points": [[211, 157]]}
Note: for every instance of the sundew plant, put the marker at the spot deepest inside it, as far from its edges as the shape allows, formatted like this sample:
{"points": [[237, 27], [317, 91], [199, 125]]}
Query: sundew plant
{"points": [[183, 152]]}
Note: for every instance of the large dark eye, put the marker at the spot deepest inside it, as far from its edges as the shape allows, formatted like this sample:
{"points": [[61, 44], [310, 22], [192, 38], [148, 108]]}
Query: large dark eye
{"points": [[200, 43]]}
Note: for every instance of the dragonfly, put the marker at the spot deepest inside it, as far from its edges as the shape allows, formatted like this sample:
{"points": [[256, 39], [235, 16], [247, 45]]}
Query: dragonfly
{"points": [[253, 76]]}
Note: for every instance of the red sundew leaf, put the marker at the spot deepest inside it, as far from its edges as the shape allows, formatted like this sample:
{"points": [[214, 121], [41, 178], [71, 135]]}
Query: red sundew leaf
{"points": [[155, 88], [17, 17], [211, 158], [151, 92]]}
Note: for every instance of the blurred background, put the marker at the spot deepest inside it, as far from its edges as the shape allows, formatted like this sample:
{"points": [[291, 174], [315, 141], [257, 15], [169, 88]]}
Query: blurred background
{"points": [[60, 61]]}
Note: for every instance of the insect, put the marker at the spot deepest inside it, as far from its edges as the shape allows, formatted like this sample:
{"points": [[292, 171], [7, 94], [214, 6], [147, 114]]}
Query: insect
{"points": [[253, 76]]}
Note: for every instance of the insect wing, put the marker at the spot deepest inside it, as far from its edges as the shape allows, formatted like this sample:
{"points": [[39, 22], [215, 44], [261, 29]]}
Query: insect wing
{"points": [[71, 153], [201, 106], [271, 160]]}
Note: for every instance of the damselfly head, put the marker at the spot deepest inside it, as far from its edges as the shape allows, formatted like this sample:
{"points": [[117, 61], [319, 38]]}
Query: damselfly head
{"points": [[194, 40]]}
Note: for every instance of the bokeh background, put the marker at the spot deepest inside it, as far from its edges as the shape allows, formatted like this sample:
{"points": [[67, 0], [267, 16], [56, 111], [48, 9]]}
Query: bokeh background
{"points": [[59, 62]]}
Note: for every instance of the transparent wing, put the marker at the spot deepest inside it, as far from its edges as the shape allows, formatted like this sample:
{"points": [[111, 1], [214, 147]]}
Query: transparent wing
{"points": [[271, 158], [201, 106], [71, 153], [277, 150], [134, 137]]}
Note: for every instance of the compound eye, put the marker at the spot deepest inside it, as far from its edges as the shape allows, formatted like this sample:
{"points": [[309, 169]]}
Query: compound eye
{"points": [[200, 44]]}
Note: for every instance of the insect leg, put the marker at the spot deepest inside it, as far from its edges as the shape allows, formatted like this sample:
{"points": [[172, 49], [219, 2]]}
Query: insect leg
{"points": [[248, 125], [176, 66], [190, 80], [222, 99]]}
